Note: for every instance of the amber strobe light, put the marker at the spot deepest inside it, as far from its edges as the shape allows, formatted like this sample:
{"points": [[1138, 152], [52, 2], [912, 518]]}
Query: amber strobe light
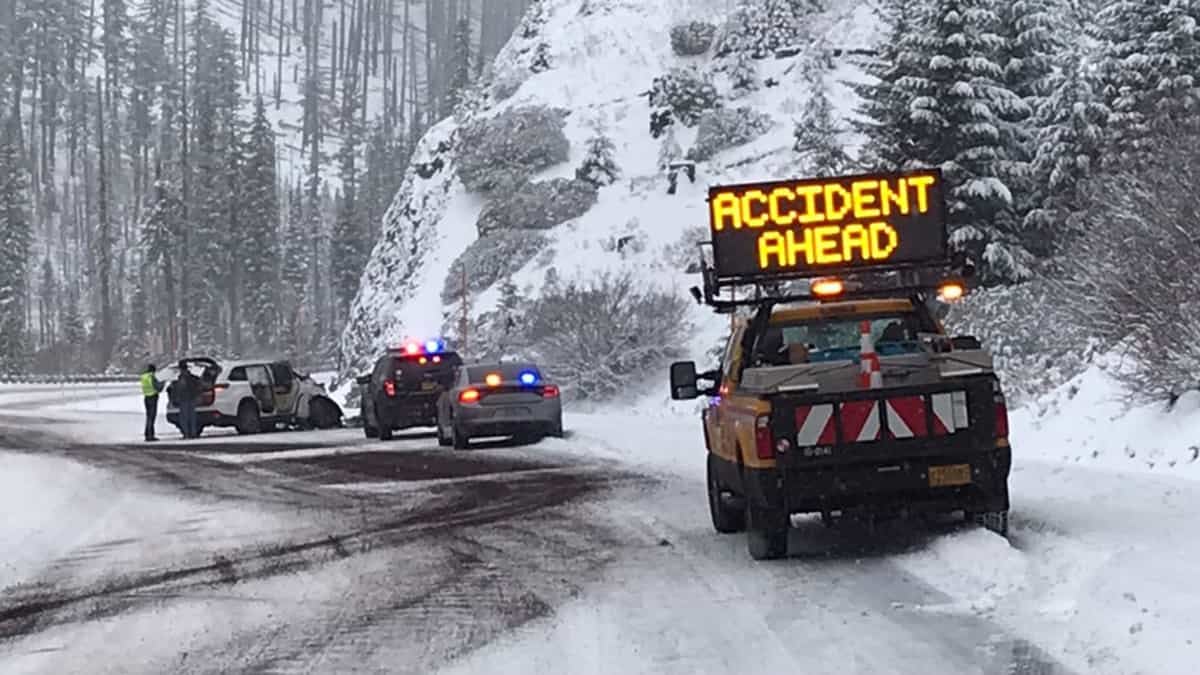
{"points": [[468, 395], [825, 288], [951, 290], [493, 379]]}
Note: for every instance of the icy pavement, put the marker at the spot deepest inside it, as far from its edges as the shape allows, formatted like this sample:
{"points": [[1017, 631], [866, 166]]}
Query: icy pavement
{"points": [[311, 552]]}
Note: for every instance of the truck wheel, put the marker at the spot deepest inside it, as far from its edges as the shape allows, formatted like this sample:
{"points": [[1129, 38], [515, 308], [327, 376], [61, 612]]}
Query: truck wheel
{"points": [[766, 533], [248, 419], [724, 519], [996, 521], [385, 432], [370, 431]]}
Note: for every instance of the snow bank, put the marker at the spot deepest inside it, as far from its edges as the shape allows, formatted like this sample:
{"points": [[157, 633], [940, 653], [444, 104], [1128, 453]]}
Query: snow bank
{"points": [[1087, 421]]}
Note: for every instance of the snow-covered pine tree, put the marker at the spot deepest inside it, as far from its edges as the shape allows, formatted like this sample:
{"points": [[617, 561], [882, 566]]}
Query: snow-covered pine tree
{"points": [[818, 137], [743, 72], [599, 166], [1031, 35], [460, 64], [893, 139], [1151, 55], [1070, 144], [261, 220], [16, 238], [159, 239], [763, 26], [957, 105], [295, 272]]}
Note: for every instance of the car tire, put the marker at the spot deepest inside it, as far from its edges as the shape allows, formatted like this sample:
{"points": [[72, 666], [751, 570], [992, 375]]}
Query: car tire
{"points": [[249, 421], [322, 414], [370, 431], [442, 439], [766, 533], [385, 432], [725, 520], [459, 438], [557, 430]]}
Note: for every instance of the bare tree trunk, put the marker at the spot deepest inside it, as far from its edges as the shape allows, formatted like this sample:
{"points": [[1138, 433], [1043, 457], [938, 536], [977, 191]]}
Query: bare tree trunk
{"points": [[105, 248]]}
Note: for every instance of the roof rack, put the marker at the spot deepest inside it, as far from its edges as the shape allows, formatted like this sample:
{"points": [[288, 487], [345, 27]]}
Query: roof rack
{"points": [[916, 280]]}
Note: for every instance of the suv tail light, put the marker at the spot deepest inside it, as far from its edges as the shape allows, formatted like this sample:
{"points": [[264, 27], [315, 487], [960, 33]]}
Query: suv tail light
{"points": [[1001, 406], [389, 387], [762, 438], [550, 391], [468, 396]]}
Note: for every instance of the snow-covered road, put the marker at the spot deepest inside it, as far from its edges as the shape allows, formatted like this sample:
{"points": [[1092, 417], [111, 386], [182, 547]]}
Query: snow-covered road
{"points": [[325, 552]]}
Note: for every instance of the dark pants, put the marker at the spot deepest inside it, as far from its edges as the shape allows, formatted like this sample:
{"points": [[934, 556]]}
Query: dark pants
{"points": [[188, 424], [151, 414]]}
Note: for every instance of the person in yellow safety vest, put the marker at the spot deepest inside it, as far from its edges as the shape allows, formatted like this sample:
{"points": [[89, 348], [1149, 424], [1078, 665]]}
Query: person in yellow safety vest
{"points": [[151, 387]]}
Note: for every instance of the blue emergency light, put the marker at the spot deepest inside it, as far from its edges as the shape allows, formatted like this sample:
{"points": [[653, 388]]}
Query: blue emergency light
{"points": [[528, 377]]}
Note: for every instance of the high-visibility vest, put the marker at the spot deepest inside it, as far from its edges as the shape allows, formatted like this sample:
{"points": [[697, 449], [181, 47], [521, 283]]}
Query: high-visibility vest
{"points": [[148, 385]]}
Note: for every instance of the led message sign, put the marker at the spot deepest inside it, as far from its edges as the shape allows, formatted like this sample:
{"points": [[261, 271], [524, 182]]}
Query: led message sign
{"points": [[825, 225]]}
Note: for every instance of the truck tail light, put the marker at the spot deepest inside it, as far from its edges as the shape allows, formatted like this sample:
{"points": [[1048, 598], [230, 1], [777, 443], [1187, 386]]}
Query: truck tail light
{"points": [[550, 391], [763, 444], [1001, 406], [389, 388]]}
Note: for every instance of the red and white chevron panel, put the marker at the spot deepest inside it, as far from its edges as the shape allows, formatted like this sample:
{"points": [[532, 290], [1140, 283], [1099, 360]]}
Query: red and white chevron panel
{"points": [[906, 417], [814, 425], [949, 412], [860, 420]]}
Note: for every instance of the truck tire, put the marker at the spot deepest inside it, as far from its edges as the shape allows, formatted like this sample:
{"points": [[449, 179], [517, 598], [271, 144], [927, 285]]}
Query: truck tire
{"points": [[370, 431], [385, 432], [248, 419], [766, 533], [724, 519]]}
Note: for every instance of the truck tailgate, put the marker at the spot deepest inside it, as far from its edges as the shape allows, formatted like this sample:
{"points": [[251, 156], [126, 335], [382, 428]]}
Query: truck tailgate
{"points": [[878, 425]]}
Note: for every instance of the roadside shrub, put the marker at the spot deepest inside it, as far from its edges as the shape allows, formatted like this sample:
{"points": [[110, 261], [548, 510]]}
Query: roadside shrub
{"points": [[601, 336], [724, 128], [683, 255], [693, 38], [686, 93], [1132, 270], [511, 146], [489, 259], [536, 206]]}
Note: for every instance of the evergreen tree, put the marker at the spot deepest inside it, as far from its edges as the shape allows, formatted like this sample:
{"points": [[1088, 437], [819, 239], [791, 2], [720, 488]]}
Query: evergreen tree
{"points": [[669, 150], [348, 243], [817, 134], [894, 140], [48, 301], [1031, 37], [1070, 144], [1150, 57], [762, 27], [74, 329], [16, 238], [599, 166], [743, 72], [958, 104], [295, 272], [460, 64], [159, 239], [261, 224]]}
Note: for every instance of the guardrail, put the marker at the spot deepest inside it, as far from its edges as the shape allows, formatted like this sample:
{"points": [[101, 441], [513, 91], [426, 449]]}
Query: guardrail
{"points": [[15, 378]]}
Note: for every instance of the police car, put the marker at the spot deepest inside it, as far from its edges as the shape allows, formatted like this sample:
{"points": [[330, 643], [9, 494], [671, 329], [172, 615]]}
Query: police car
{"points": [[253, 396]]}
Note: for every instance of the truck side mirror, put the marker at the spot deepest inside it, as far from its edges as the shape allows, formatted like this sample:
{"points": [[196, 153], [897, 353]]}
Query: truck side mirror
{"points": [[363, 379], [683, 380]]}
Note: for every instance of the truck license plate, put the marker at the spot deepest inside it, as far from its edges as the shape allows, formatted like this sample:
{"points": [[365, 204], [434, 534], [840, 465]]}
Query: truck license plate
{"points": [[428, 385], [950, 474]]}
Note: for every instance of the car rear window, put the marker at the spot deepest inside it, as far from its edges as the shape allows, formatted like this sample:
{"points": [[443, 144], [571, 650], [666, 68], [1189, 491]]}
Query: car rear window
{"points": [[510, 372]]}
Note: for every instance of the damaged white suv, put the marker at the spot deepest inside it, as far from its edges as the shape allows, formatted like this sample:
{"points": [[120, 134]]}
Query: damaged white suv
{"points": [[254, 396]]}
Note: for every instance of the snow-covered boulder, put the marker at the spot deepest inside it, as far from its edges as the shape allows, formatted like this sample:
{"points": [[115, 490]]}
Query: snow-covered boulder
{"points": [[692, 38], [536, 206], [489, 259], [511, 146], [725, 128]]}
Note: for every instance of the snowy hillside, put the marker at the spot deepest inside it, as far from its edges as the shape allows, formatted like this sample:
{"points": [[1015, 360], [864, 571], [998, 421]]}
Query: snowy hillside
{"points": [[595, 60]]}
